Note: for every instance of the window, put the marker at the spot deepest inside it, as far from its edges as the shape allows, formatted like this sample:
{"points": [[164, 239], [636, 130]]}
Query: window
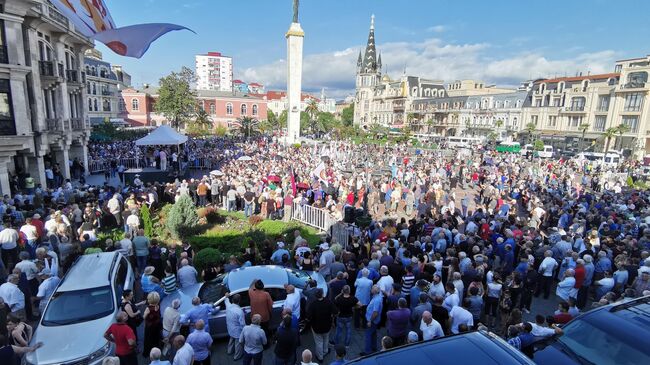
{"points": [[578, 103], [212, 109], [575, 121], [534, 119], [637, 79], [95, 105], [90, 104], [603, 103], [631, 121], [3, 43], [121, 105], [7, 122], [229, 109], [255, 109], [552, 121], [633, 102], [135, 104], [599, 123], [78, 306]]}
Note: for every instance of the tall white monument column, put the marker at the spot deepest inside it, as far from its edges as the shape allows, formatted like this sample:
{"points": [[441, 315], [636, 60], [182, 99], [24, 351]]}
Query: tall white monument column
{"points": [[295, 37]]}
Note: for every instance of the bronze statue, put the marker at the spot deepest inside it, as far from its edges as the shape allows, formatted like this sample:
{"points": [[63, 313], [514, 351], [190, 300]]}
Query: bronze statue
{"points": [[296, 3]]}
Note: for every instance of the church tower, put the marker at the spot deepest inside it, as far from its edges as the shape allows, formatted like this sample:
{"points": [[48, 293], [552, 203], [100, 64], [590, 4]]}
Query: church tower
{"points": [[368, 76]]}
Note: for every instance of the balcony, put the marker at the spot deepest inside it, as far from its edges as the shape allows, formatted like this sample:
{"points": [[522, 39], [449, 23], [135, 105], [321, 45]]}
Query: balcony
{"points": [[4, 57], [46, 68], [73, 77], [77, 124], [54, 124], [575, 108], [634, 85], [107, 93]]}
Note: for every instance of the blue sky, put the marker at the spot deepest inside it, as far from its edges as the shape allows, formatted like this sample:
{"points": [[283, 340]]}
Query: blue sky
{"points": [[501, 42]]}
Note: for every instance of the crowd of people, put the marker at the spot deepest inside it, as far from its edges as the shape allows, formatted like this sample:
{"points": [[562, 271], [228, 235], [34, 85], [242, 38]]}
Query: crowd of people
{"points": [[455, 243]]}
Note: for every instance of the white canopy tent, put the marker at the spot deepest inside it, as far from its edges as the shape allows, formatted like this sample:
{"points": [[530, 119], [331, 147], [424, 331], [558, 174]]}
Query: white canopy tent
{"points": [[163, 135]]}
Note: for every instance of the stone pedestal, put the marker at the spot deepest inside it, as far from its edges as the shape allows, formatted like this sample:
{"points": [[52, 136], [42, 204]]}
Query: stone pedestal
{"points": [[295, 37]]}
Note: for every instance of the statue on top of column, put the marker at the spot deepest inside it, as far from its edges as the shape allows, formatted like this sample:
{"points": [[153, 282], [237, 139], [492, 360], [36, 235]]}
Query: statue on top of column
{"points": [[296, 3]]}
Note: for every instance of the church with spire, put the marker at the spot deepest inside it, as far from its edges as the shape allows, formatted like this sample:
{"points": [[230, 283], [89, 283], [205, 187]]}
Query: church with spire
{"points": [[380, 99]]}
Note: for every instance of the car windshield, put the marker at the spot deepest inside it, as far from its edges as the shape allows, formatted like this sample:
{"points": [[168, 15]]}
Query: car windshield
{"points": [[212, 291], [298, 278], [78, 306], [592, 345]]}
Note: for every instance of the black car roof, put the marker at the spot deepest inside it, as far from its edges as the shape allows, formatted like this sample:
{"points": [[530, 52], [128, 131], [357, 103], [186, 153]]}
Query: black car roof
{"points": [[468, 348]]}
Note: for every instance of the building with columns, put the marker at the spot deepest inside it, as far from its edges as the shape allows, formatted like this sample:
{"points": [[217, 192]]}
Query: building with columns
{"points": [[43, 118], [565, 109]]}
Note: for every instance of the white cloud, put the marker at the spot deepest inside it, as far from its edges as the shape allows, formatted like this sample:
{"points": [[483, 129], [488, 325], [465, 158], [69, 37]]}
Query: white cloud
{"points": [[437, 29], [433, 59]]}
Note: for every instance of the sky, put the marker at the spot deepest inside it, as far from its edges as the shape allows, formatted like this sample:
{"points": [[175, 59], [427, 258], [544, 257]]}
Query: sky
{"points": [[501, 42]]}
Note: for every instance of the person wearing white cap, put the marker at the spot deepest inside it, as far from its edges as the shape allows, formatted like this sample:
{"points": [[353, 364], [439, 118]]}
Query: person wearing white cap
{"points": [[46, 288], [327, 257], [277, 255]]}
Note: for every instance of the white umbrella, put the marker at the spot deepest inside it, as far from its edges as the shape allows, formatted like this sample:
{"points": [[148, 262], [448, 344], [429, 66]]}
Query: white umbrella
{"points": [[245, 158], [216, 173]]}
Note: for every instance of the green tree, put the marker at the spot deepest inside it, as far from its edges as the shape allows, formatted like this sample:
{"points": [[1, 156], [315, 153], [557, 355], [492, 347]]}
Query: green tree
{"points": [[147, 224], [201, 123], [583, 127], [176, 100], [347, 115], [538, 145], [621, 130], [283, 119], [429, 125], [608, 135], [305, 121], [530, 129], [312, 111], [248, 126], [105, 131], [272, 121], [220, 130], [182, 219]]}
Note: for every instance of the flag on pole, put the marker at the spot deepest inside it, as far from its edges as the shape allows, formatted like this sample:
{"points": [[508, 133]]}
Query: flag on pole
{"points": [[92, 19], [293, 182], [134, 40]]}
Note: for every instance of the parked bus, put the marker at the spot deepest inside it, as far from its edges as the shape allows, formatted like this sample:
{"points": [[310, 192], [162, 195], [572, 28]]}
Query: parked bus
{"points": [[508, 147]]}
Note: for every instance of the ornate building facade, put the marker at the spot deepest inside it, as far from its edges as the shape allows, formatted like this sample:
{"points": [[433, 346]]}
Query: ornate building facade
{"points": [[43, 111]]}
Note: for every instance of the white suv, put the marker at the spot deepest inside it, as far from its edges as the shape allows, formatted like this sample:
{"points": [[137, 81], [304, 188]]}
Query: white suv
{"points": [[81, 309]]}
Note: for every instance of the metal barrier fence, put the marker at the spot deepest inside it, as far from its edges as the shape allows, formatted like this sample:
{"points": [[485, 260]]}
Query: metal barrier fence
{"points": [[97, 166], [315, 217], [340, 233]]}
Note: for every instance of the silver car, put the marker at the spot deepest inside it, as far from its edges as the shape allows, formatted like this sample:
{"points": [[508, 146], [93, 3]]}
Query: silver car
{"points": [[80, 310], [238, 282]]}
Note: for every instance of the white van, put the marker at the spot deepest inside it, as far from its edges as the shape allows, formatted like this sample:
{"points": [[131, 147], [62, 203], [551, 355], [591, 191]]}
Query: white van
{"points": [[547, 152], [612, 159]]}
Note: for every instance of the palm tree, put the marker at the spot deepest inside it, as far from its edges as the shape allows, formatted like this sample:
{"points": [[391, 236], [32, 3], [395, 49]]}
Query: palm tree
{"points": [[608, 135], [583, 128], [312, 110], [248, 126], [202, 118], [530, 128], [621, 130], [429, 124], [409, 118], [498, 123]]}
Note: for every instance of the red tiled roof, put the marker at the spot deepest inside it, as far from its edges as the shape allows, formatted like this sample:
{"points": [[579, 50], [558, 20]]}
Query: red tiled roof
{"points": [[277, 95], [254, 84], [237, 82], [579, 78]]}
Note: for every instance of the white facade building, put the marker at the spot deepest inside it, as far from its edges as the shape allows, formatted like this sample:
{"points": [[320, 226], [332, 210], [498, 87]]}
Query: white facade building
{"points": [[214, 72], [43, 118]]}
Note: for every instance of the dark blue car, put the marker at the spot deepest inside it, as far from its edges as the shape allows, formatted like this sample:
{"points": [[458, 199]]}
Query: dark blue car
{"points": [[614, 334], [476, 348]]}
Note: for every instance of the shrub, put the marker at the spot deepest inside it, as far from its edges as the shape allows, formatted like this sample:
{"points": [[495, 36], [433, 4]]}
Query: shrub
{"points": [[208, 256], [147, 224], [255, 220], [182, 219], [296, 145]]}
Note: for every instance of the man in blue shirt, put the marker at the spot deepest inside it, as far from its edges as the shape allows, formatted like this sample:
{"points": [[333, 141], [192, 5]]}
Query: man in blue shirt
{"points": [[363, 285], [200, 342], [199, 312], [373, 316], [276, 258]]}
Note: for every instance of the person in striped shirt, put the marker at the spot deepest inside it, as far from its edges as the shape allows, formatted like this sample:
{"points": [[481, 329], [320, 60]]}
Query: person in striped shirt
{"points": [[169, 281]]}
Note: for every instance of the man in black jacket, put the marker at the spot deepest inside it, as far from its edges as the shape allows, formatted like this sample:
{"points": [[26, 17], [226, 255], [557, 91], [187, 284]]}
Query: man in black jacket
{"points": [[287, 340], [321, 313]]}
